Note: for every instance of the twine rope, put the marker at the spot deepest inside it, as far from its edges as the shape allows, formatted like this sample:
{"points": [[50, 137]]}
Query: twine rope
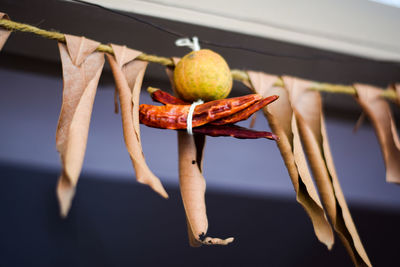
{"points": [[236, 74]]}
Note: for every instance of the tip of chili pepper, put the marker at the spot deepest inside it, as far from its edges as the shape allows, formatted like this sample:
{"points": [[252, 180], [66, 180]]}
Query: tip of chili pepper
{"points": [[273, 97], [273, 137], [151, 90]]}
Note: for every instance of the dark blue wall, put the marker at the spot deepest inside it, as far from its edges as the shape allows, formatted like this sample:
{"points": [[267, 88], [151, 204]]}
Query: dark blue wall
{"points": [[120, 223]]}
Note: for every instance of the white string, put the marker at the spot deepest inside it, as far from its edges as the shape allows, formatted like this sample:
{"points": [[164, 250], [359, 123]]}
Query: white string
{"points": [[190, 116], [193, 43]]}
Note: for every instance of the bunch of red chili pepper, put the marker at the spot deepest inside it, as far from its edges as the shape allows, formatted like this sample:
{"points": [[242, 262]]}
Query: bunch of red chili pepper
{"points": [[214, 118]]}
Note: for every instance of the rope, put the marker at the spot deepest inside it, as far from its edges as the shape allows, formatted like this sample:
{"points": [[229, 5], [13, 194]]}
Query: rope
{"points": [[236, 74]]}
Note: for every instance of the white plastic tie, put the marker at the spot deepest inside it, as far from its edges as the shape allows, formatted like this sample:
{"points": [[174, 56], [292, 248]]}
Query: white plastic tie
{"points": [[190, 116], [191, 43], [195, 46]]}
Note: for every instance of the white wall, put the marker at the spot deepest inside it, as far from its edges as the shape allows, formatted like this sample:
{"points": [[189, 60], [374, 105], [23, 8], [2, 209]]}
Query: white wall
{"points": [[355, 27]]}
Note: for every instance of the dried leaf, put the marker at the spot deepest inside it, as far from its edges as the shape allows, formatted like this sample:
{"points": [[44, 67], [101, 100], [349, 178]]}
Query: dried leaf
{"points": [[397, 89], [253, 121], [128, 75], [170, 73], [4, 33], [193, 185], [307, 108], [359, 122], [378, 111], [282, 122], [80, 84]]}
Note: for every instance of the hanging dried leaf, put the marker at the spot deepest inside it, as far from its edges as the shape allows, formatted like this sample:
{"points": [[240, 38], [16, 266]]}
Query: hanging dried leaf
{"points": [[282, 122], [307, 108], [170, 73], [128, 75], [193, 185], [397, 89], [4, 33], [378, 111], [81, 72]]}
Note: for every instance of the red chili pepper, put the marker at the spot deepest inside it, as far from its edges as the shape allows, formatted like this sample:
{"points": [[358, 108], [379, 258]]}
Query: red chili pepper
{"points": [[175, 116], [233, 131], [163, 97], [245, 113]]}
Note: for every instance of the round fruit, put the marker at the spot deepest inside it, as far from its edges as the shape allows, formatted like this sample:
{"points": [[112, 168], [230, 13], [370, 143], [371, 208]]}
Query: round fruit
{"points": [[203, 75]]}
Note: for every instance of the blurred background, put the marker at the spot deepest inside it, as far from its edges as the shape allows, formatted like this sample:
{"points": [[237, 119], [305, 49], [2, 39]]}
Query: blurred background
{"points": [[114, 221]]}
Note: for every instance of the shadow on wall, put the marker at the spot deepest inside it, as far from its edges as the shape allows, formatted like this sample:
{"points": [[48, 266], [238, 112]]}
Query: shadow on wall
{"points": [[121, 223]]}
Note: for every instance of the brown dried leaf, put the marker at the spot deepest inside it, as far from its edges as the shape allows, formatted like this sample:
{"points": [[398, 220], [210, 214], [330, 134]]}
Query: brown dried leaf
{"points": [[128, 75], [253, 121], [282, 122], [397, 89], [170, 73], [359, 122], [378, 111], [4, 33], [80, 85], [307, 108], [193, 185]]}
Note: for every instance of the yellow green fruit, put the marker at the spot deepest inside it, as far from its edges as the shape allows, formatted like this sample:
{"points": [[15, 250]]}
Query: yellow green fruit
{"points": [[204, 75]]}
